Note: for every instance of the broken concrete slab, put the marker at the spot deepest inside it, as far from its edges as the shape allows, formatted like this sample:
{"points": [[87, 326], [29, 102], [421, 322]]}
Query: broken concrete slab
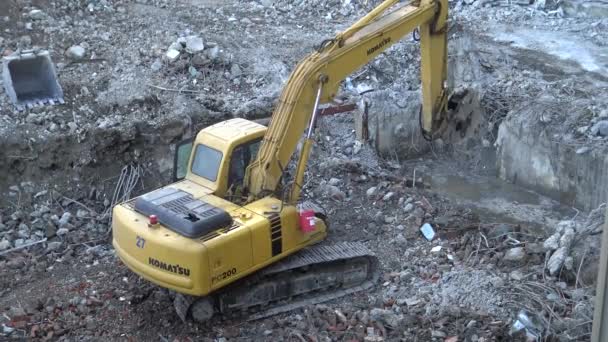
{"points": [[76, 52], [30, 79], [194, 44], [172, 55]]}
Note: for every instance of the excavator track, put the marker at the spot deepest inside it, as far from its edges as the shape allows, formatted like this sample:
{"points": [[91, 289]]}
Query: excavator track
{"points": [[320, 255], [313, 275]]}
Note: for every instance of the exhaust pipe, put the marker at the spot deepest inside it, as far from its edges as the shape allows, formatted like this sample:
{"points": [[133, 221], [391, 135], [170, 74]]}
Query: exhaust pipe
{"points": [[30, 79]]}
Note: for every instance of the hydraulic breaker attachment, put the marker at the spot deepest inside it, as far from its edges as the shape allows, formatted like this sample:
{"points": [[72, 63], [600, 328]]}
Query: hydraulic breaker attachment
{"points": [[30, 79]]}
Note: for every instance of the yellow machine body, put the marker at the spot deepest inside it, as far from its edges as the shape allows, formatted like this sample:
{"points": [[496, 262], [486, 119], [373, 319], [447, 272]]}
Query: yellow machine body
{"points": [[203, 265]]}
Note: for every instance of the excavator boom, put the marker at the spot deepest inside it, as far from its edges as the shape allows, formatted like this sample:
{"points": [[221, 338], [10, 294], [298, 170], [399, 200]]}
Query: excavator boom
{"points": [[317, 78]]}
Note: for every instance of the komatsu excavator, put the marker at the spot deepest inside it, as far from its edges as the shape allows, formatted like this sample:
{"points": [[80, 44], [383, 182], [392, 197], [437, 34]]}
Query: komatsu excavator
{"points": [[225, 236]]}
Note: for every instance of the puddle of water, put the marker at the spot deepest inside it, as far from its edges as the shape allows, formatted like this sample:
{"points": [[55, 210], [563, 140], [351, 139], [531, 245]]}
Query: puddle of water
{"points": [[477, 190], [495, 200]]}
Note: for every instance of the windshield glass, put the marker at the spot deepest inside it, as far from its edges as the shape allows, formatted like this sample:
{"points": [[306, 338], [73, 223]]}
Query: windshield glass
{"points": [[206, 162]]}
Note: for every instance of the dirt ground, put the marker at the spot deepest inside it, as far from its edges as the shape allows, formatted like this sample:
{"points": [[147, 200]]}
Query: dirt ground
{"points": [[501, 250]]}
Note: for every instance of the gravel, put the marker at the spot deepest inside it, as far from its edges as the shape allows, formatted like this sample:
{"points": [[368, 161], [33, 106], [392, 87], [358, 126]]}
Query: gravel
{"points": [[473, 289]]}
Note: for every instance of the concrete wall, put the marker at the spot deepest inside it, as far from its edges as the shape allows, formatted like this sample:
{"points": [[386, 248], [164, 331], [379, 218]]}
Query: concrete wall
{"points": [[529, 158]]}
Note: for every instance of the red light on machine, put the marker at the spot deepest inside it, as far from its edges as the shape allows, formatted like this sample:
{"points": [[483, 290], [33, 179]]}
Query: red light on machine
{"points": [[153, 219], [307, 221]]}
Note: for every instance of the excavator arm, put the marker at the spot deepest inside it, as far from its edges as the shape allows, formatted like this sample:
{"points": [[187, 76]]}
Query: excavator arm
{"points": [[316, 79]]}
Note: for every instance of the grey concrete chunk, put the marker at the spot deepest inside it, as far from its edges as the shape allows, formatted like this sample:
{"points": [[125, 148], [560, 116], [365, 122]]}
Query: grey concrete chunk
{"points": [[557, 260], [515, 254], [75, 52], [194, 44], [4, 244], [600, 128]]}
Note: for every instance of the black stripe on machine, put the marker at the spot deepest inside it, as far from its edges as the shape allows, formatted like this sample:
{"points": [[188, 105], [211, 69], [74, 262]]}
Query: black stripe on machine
{"points": [[276, 235]]}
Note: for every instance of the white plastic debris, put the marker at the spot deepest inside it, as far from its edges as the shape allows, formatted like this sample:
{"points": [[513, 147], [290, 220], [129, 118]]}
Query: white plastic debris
{"points": [[527, 323], [172, 55], [7, 330], [428, 231], [436, 249]]}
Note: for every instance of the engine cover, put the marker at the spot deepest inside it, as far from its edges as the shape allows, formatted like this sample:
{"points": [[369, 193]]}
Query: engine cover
{"points": [[183, 214]]}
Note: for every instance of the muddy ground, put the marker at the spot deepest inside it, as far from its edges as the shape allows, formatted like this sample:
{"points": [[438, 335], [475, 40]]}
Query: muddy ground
{"points": [[500, 249]]}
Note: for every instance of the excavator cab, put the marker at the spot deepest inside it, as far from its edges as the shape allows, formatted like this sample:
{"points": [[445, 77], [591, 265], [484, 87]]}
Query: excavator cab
{"points": [[219, 156], [30, 79]]}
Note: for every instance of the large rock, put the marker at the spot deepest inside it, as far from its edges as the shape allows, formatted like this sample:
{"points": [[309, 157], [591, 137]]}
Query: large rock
{"points": [[50, 230], [600, 128], [557, 260], [53, 246], [65, 219], [371, 191], [172, 55], [552, 243], [567, 238], [36, 14], [386, 317], [76, 52], [235, 71], [515, 254], [4, 244], [194, 44], [562, 226], [62, 231]]}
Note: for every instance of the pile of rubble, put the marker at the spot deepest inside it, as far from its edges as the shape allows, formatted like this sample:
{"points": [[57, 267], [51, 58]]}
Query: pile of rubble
{"points": [[52, 219], [490, 269]]}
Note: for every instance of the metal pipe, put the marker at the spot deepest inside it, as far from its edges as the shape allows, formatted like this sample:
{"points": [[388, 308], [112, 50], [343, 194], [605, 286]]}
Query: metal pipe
{"points": [[314, 111]]}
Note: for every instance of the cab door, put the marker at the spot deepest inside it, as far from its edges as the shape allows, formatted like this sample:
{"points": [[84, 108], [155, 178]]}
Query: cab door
{"points": [[240, 158]]}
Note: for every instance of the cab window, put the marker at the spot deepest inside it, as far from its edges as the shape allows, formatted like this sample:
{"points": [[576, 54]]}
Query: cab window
{"points": [[181, 159], [242, 156], [206, 162]]}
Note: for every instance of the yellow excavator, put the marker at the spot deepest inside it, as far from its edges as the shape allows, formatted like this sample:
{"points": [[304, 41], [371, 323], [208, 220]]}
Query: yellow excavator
{"points": [[229, 236]]}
